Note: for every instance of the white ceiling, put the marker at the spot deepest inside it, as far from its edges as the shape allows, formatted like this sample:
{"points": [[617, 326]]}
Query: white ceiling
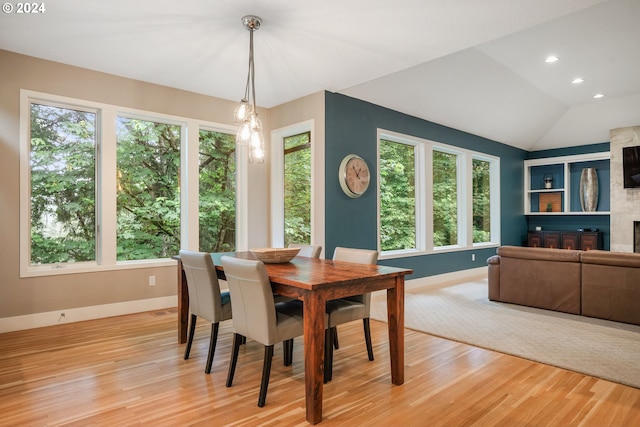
{"points": [[474, 65]]}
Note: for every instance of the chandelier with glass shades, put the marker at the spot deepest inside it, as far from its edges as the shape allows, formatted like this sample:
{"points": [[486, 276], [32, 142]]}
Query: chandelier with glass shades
{"points": [[246, 114]]}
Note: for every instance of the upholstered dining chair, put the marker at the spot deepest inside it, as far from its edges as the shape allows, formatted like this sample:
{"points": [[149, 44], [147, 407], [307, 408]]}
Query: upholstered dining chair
{"points": [[205, 299], [256, 316], [310, 251], [348, 309]]}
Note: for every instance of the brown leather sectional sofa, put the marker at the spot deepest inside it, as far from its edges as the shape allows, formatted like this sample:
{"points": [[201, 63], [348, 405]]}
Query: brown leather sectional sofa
{"points": [[594, 283]]}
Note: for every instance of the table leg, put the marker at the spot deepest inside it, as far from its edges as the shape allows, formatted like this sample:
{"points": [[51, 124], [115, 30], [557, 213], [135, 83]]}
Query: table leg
{"points": [[183, 305], [395, 311], [314, 320]]}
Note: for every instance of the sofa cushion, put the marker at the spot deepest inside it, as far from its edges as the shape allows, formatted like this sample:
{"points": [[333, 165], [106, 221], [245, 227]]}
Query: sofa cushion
{"points": [[611, 286], [552, 285]]}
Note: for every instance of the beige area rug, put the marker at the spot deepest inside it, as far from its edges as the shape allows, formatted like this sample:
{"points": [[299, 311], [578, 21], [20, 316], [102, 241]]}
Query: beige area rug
{"points": [[462, 312]]}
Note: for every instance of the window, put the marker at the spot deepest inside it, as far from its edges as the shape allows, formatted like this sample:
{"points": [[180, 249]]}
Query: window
{"points": [[62, 164], [297, 189], [148, 202], [481, 201], [435, 197], [445, 199], [109, 188], [217, 191], [397, 196]]}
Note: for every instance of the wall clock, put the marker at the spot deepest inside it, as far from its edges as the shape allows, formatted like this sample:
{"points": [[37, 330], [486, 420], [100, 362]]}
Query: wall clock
{"points": [[354, 176]]}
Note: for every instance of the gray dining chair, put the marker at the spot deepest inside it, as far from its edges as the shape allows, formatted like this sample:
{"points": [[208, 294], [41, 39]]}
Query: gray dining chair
{"points": [[258, 317], [348, 309], [309, 251], [205, 299]]}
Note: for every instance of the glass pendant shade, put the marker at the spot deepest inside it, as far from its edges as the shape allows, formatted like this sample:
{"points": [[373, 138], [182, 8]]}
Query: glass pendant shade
{"points": [[242, 112], [256, 141], [243, 136]]}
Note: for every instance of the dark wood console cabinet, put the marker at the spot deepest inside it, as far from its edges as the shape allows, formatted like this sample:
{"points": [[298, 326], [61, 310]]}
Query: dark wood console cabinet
{"points": [[582, 240]]}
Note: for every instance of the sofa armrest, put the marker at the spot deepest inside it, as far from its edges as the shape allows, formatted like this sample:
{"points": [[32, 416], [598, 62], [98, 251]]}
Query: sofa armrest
{"points": [[494, 277]]}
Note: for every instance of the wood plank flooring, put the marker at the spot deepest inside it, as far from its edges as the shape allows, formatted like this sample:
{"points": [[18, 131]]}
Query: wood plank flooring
{"points": [[129, 370]]}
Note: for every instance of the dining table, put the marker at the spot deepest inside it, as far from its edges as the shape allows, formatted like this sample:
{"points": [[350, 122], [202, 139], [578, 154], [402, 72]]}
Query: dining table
{"points": [[315, 281]]}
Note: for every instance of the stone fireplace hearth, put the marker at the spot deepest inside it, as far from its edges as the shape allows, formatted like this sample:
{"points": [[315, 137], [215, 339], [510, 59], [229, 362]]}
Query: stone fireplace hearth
{"points": [[625, 202]]}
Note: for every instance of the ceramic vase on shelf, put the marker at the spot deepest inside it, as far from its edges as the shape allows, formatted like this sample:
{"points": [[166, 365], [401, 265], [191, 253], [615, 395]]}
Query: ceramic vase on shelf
{"points": [[588, 190]]}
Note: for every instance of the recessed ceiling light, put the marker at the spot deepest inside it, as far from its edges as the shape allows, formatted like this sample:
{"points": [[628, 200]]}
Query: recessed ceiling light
{"points": [[578, 80], [598, 95], [551, 59]]}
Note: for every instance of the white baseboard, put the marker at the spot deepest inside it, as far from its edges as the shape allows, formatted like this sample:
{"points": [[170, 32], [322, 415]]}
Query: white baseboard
{"points": [[453, 277], [37, 320], [456, 276]]}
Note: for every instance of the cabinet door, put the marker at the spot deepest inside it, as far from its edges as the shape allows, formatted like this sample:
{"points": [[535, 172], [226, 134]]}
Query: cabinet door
{"points": [[570, 240], [534, 239], [552, 239], [590, 240]]}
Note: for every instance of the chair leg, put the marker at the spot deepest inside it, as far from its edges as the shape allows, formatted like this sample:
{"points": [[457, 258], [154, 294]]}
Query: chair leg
{"points": [[237, 340], [336, 345], [328, 355], [192, 329], [212, 346], [266, 371], [367, 337], [287, 350]]}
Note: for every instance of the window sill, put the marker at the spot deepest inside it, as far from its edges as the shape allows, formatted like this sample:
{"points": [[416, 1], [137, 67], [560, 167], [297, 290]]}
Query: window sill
{"points": [[82, 268]]}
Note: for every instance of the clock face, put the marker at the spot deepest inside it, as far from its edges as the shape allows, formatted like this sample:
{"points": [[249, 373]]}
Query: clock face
{"points": [[354, 176]]}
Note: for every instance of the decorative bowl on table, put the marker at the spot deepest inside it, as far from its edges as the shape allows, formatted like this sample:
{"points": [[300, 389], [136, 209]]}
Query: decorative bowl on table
{"points": [[275, 255]]}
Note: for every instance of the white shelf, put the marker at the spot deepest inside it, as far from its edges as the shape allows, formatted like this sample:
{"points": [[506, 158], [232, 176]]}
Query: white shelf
{"points": [[562, 166], [547, 190]]}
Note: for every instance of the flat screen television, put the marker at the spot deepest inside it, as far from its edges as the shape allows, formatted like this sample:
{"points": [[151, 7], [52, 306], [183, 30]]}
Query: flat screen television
{"points": [[631, 166]]}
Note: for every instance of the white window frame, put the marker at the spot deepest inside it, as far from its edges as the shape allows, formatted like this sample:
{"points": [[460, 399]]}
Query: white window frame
{"points": [[106, 163], [424, 196], [494, 204], [421, 205], [277, 182]]}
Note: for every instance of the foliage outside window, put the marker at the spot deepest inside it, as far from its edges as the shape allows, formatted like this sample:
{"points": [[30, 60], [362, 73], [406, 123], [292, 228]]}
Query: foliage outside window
{"points": [[63, 184], [217, 195], [397, 196], [148, 200], [102, 188], [297, 189], [481, 201], [445, 199]]}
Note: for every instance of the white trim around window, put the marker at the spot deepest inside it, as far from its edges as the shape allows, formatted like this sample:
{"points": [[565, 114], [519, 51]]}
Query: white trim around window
{"points": [[423, 151], [277, 182], [106, 179]]}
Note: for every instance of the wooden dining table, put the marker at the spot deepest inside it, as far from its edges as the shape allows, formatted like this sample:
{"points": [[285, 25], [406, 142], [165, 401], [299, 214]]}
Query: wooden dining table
{"points": [[315, 281]]}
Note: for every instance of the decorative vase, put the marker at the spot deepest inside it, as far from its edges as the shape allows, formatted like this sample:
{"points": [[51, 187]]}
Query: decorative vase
{"points": [[588, 190]]}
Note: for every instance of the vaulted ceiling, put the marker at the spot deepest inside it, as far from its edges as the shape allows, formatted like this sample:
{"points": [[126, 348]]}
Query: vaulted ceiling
{"points": [[474, 65]]}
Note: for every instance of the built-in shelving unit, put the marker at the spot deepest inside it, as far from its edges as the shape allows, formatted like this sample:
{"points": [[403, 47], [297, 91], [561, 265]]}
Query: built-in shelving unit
{"points": [[562, 195]]}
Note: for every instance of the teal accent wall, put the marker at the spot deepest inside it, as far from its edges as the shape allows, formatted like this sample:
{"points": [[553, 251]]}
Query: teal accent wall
{"points": [[574, 222], [351, 127]]}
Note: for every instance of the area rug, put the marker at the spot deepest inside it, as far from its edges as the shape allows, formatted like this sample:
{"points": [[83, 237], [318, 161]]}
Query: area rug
{"points": [[462, 312]]}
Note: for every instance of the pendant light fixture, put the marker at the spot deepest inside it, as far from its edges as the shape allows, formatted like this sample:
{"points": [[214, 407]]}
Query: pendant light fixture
{"points": [[246, 114]]}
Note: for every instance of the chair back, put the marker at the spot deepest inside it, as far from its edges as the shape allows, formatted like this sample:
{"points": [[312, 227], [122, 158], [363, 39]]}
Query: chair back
{"points": [[202, 281], [358, 256], [254, 313], [310, 251]]}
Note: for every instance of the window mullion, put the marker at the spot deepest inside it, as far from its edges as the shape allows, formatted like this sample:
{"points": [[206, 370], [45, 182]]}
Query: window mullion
{"points": [[107, 184]]}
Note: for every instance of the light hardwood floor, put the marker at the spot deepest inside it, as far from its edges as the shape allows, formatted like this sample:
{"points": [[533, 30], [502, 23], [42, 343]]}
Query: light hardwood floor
{"points": [[129, 370]]}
